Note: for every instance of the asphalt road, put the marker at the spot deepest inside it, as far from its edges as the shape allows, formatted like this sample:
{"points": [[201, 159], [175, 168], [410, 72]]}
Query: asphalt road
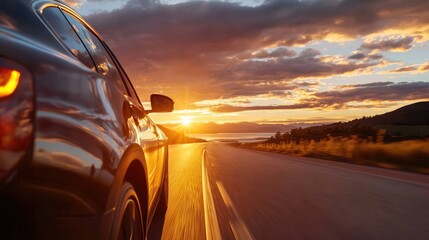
{"points": [[223, 192]]}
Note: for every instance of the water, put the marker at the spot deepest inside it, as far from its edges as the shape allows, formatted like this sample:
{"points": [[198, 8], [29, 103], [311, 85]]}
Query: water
{"points": [[239, 137]]}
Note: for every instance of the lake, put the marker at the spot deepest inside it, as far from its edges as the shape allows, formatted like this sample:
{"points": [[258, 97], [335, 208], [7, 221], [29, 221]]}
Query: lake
{"points": [[240, 137]]}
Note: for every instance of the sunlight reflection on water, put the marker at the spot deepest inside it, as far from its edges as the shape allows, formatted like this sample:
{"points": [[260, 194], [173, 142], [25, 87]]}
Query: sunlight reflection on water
{"points": [[239, 137]]}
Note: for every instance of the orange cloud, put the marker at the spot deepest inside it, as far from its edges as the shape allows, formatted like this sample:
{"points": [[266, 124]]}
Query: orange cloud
{"points": [[346, 96], [412, 69], [203, 50], [389, 43]]}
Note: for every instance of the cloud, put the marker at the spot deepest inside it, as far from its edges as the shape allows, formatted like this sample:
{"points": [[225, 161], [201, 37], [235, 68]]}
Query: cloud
{"points": [[309, 63], [389, 43], [74, 3], [229, 108], [183, 48], [424, 67], [372, 94], [365, 56], [375, 56], [358, 56], [379, 91], [273, 88], [277, 53], [81, 3], [404, 69]]}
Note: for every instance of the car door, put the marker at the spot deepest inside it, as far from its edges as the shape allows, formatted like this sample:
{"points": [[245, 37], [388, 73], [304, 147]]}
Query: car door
{"points": [[145, 134], [80, 134], [149, 135], [139, 129]]}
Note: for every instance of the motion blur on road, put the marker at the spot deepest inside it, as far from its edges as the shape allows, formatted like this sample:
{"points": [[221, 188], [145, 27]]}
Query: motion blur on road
{"points": [[218, 191]]}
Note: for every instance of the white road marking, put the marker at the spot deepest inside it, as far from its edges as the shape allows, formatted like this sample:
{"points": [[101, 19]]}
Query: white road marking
{"points": [[238, 227], [210, 217]]}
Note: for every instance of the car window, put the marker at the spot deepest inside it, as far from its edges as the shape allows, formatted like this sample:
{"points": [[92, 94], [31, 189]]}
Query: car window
{"points": [[129, 85], [104, 63], [55, 19], [133, 92]]}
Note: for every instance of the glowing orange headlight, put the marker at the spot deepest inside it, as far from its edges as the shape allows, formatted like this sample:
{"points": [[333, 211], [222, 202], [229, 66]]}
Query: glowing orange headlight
{"points": [[9, 80]]}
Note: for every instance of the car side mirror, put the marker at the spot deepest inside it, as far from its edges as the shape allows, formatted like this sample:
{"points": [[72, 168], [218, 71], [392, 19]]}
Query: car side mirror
{"points": [[161, 103]]}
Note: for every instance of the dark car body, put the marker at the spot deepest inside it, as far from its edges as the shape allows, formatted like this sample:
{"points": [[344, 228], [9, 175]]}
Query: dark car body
{"points": [[73, 132]]}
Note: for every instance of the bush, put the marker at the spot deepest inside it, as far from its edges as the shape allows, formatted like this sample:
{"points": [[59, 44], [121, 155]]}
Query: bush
{"points": [[405, 154]]}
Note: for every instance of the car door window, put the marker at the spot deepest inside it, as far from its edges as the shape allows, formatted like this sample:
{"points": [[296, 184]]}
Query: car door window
{"points": [[56, 20], [132, 92], [130, 86], [103, 61]]}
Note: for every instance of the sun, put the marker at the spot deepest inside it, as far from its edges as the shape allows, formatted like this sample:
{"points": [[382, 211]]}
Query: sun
{"points": [[186, 121]]}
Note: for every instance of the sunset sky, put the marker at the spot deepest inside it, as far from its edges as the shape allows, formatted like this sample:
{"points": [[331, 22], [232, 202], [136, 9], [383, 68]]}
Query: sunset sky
{"points": [[270, 61]]}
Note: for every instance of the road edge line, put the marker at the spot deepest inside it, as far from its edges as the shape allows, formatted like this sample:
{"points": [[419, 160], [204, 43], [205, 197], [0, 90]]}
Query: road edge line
{"points": [[238, 227], [210, 217]]}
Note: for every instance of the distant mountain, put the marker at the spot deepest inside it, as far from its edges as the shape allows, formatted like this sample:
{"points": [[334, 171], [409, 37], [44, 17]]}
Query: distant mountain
{"points": [[240, 127], [175, 137]]}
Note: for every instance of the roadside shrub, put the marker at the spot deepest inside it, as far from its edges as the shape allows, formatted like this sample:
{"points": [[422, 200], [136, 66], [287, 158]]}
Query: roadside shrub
{"points": [[405, 154]]}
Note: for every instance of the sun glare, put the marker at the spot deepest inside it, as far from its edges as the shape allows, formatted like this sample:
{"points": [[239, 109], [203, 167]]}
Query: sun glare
{"points": [[186, 121]]}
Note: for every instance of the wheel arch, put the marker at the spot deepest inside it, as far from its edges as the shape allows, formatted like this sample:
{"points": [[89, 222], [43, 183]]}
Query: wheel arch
{"points": [[133, 176], [131, 168]]}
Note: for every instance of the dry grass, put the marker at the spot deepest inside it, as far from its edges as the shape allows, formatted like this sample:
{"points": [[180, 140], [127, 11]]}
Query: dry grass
{"points": [[405, 155]]}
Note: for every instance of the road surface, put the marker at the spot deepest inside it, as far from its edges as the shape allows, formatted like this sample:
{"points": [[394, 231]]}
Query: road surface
{"points": [[222, 192]]}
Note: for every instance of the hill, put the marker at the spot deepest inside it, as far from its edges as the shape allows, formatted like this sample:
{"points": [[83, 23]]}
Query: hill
{"points": [[408, 122], [175, 137], [398, 139], [411, 115]]}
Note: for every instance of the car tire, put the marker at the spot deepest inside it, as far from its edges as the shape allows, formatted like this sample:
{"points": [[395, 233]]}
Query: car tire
{"points": [[128, 221]]}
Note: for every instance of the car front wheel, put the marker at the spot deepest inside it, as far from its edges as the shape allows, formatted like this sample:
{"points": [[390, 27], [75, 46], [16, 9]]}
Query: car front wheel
{"points": [[128, 222]]}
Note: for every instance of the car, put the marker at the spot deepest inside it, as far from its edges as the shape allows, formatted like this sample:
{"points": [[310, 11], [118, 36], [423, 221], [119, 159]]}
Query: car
{"points": [[80, 158]]}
